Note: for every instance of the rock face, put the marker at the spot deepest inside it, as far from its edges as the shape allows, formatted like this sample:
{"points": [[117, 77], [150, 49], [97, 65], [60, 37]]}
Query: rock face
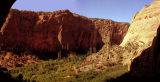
{"points": [[148, 20], [38, 31], [144, 25], [111, 53], [112, 32], [148, 63], [60, 30]]}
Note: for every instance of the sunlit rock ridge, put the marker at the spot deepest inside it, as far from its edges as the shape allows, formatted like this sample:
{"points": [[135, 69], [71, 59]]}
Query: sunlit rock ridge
{"points": [[147, 21], [144, 25]]}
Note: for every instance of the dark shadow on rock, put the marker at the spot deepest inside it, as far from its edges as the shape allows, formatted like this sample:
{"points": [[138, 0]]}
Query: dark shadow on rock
{"points": [[4, 10]]}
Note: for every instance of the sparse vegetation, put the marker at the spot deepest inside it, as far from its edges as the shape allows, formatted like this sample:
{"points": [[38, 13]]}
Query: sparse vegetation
{"points": [[64, 70]]}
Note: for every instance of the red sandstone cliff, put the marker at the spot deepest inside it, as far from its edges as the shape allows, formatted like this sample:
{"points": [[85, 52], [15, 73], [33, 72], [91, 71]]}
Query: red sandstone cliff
{"points": [[49, 31], [40, 31]]}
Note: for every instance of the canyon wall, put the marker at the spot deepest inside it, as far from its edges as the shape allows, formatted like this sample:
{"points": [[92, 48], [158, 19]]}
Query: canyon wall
{"points": [[39, 31], [59, 30], [145, 29], [148, 63]]}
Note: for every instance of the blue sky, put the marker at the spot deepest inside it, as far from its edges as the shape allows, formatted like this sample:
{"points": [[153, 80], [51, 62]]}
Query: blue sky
{"points": [[117, 10]]}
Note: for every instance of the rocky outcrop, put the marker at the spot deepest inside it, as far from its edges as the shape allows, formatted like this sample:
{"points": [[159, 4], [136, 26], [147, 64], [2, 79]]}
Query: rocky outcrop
{"points": [[10, 60], [144, 25], [60, 30], [111, 53], [112, 32]]}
